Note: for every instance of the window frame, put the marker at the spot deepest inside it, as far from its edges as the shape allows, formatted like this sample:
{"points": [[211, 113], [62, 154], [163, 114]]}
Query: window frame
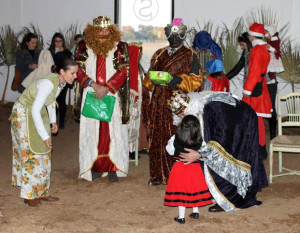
{"points": [[117, 11]]}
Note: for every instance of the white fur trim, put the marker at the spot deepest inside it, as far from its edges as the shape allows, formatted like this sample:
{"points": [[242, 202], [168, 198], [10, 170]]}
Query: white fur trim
{"points": [[246, 92], [264, 115], [258, 42], [255, 34]]}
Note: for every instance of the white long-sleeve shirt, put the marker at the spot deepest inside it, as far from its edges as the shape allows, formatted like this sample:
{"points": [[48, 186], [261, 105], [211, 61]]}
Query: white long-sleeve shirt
{"points": [[44, 88]]}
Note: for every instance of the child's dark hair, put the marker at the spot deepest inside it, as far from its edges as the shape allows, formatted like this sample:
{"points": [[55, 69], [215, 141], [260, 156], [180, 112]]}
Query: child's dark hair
{"points": [[216, 74], [64, 65], [188, 133], [77, 36]]}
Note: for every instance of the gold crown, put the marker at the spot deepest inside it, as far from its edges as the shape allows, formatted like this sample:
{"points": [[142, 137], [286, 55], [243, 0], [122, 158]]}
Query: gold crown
{"points": [[178, 102], [102, 22]]}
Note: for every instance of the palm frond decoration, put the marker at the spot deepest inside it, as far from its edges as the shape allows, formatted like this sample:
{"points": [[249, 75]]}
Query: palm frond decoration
{"points": [[33, 29], [212, 30], [291, 63], [69, 34], [189, 37], [209, 26], [229, 44], [267, 16], [8, 48]]}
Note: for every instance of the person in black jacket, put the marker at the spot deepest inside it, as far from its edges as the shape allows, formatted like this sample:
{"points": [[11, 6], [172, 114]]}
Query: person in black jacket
{"points": [[27, 58], [60, 52], [246, 46]]}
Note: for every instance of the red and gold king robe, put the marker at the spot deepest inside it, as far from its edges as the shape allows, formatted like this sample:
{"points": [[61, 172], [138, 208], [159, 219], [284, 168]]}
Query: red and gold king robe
{"points": [[103, 146], [158, 121]]}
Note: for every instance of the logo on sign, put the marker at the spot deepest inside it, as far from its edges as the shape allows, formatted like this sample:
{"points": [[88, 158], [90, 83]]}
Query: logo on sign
{"points": [[146, 10]]}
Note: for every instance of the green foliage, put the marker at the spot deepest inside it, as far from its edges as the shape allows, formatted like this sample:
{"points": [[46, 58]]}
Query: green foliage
{"points": [[8, 46], [144, 33], [228, 41]]}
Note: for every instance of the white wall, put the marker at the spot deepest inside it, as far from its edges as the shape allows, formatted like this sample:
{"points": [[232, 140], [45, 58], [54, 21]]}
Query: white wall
{"points": [[55, 14], [10, 13]]}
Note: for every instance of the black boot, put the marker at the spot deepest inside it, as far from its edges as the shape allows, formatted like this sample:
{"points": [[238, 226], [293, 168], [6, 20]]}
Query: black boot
{"points": [[272, 126], [112, 177], [96, 175]]}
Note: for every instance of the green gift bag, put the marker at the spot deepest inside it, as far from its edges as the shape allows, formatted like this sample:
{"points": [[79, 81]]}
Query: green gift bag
{"points": [[160, 77], [100, 109]]}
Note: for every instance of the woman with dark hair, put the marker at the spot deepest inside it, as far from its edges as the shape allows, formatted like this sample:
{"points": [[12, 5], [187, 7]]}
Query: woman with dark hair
{"points": [[246, 46], [186, 185], [30, 130], [60, 52], [27, 58]]}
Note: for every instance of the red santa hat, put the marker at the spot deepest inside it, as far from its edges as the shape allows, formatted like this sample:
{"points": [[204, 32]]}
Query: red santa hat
{"points": [[257, 29]]}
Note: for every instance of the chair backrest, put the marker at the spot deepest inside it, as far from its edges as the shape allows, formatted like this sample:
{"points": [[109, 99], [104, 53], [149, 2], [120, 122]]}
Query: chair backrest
{"points": [[135, 108], [292, 104]]}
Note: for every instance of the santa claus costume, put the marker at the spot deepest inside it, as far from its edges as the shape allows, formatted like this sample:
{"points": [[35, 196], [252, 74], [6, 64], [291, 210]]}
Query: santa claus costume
{"points": [[255, 89]]}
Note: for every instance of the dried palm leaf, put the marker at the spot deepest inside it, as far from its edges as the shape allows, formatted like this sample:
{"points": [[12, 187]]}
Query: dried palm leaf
{"points": [[229, 44], [267, 16], [8, 48], [69, 34], [291, 63]]}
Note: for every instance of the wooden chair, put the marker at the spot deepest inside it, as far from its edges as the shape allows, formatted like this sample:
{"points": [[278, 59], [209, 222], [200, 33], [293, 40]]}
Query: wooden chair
{"points": [[286, 143], [135, 118]]}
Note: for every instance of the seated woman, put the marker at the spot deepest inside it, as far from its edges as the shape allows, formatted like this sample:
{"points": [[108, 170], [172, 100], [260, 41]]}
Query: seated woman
{"points": [[26, 59], [233, 165]]}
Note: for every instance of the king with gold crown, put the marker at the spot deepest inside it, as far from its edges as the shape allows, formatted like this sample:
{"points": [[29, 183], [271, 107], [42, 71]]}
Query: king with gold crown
{"points": [[108, 66]]}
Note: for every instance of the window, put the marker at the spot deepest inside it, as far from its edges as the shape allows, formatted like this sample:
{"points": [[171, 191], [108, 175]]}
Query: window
{"points": [[144, 21]]}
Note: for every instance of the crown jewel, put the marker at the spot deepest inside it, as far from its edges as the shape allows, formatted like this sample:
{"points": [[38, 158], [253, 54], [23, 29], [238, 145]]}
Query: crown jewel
{"points": [[101, 21]]}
